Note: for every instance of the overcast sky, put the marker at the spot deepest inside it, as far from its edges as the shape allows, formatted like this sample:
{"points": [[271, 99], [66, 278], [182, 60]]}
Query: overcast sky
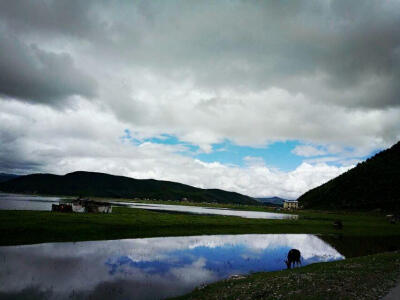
{"points": [[266, 98]]}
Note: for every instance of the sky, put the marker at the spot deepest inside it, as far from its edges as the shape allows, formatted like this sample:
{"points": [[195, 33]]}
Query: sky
{"points": [[265, 98]]}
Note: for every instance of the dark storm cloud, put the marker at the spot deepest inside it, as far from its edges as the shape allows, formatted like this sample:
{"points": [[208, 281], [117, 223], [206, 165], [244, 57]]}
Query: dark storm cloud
{"points": [[32, 74], [325, 73], [341, 52], [333, 51], [72, 18]]}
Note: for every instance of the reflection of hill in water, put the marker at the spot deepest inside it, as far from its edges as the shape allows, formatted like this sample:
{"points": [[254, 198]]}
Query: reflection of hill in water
{"points": [[352, 246]]}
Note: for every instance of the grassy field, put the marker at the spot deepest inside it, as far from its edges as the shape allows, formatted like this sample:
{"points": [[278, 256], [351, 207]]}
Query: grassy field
{"points": [[363, 233], [367, 277], [25, 227]]}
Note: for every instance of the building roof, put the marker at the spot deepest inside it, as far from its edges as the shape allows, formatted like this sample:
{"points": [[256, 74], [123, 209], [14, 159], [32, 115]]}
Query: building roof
{"points": [[290, 201]]}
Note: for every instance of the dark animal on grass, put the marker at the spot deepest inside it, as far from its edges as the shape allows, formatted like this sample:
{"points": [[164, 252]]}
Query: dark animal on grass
{"points": [[394, 219], [338, 224], [293, 258]]}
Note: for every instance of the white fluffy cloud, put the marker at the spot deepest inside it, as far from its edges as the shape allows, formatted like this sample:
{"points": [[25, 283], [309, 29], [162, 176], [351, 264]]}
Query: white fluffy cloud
{"points": [[86, 138], [74, 75], [308, 150]]}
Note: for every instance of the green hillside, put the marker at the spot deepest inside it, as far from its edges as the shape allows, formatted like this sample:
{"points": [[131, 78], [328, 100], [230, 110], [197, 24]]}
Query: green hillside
{"points": [[5, 177], [374, 183], [271, 200], [105, 185]]}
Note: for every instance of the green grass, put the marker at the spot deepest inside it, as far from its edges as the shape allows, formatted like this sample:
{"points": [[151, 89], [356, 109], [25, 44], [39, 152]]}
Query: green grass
{"points": [[25, 227], [368, 277], [359, 278]]}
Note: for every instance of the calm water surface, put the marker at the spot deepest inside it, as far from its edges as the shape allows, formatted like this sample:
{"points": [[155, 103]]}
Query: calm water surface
{"points": [[27, 202], [208, 210], [151, 268]]}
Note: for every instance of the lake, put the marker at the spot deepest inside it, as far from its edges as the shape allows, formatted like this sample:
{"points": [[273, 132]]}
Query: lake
{"points": [[208, 210], [150, 268], [27, 202]]}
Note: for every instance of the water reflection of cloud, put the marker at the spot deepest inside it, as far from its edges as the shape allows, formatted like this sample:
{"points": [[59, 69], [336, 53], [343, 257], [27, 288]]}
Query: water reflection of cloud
{"points": [[210, 210], [179, 263]]}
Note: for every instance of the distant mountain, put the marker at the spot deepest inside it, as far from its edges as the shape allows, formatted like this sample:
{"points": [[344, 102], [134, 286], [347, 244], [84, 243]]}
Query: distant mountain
{"points": [[271, 200], [5, 177], [105, 185], [374, 183]]}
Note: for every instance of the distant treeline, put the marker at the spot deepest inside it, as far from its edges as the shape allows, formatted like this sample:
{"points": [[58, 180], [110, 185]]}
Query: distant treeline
{"points": [[372, 184], [104, 185]]}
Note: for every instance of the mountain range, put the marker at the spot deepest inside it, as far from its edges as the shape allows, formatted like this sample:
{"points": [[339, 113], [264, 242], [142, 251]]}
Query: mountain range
{"points": [[372, 184], [273, 201], [93, 184]]}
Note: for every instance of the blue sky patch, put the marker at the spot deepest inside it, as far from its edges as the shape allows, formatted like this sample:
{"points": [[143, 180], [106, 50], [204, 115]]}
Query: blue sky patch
{"points": [[278, 155]]}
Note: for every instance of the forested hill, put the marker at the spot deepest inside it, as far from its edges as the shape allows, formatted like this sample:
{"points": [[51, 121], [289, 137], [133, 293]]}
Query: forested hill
{"points": [[275, 201], [6, 177], [105, 185], [374, 183]]}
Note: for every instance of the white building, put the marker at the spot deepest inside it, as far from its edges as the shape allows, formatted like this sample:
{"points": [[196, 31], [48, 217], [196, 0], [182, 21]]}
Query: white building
{"points": [[291, 204], [84, 206]]}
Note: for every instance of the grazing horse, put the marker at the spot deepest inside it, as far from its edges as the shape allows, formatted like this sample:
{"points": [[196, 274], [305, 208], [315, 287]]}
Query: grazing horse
{"points": [[293, 258]]}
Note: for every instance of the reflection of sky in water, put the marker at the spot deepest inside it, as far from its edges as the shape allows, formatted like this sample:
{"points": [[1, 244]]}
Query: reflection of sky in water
{"points": [[209, 210], [223, 261], [150, 268]]}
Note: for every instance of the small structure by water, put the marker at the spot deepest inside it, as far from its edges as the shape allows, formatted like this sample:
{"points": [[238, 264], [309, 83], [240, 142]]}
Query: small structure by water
{"points": [[290, 204], [83, 206], [62, 207]]}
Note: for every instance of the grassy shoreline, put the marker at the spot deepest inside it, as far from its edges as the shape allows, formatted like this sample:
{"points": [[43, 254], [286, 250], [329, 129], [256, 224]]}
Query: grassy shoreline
{"points": [[28, 227], [362, 234], [367, 277]]}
